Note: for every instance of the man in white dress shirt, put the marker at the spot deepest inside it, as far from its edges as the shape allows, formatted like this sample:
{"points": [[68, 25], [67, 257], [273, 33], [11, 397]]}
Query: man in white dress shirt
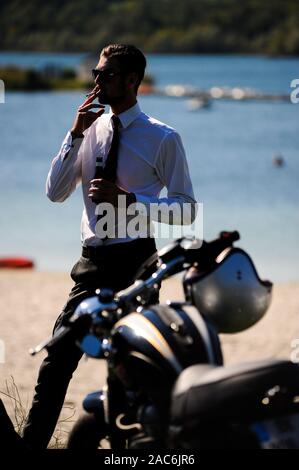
{"points": [[147, 155]]}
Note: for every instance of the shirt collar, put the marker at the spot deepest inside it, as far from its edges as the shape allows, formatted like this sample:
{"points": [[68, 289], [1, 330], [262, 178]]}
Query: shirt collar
{"points": [[127, 117]]}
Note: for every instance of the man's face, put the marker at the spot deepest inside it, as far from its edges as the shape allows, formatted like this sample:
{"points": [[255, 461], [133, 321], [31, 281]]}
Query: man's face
{"points": [[113, 82]]}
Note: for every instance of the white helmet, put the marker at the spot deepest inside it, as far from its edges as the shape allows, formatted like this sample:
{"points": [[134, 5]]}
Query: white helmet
{"points": [[231, 294]]}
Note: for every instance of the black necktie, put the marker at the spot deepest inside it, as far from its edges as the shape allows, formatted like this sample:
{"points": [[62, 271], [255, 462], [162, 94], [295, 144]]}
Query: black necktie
{"points": [[108, 172]]}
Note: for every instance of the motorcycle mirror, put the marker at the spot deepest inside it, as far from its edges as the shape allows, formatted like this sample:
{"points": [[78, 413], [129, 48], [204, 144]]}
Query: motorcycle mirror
{"points": [[91, 346]]}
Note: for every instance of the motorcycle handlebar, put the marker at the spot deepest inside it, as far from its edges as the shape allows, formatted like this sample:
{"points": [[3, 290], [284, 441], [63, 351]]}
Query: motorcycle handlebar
{"points": [[77, 328], [174, 258]]}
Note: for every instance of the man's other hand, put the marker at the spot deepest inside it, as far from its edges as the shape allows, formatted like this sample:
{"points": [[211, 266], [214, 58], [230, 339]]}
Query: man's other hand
{"points": [[102, 190]]}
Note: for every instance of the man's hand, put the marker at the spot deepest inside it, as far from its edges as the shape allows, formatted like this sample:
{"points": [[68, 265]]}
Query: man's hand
{"points": [[85, 117], [104, 191]]}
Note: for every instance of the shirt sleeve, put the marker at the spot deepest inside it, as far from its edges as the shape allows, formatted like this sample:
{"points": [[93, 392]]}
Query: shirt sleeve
{"points": [[65, 172], [179, 207]]}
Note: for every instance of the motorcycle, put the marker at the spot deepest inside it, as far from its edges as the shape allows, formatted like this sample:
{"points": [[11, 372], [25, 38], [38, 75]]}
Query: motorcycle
{"points": [[165, 361]]}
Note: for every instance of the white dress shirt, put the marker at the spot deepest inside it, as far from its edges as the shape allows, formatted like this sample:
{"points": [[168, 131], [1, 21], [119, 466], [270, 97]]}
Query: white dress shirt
{"points": [[150, 156]]}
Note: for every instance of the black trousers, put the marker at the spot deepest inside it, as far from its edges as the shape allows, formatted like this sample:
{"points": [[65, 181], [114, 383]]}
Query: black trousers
{"points": [[113, 267]]}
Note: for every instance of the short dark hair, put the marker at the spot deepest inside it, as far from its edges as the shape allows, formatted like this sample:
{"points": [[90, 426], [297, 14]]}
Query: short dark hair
{"points": [[129, 58]]}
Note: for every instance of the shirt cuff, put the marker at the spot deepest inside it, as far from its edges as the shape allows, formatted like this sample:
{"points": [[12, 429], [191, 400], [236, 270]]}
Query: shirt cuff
{"points": [[70, 145]]}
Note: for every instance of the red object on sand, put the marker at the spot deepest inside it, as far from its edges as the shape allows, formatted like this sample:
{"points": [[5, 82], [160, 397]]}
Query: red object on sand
{"points": [[16, 262]]}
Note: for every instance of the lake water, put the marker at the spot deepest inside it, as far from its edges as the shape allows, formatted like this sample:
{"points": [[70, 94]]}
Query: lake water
{"points": [[230, 149]]}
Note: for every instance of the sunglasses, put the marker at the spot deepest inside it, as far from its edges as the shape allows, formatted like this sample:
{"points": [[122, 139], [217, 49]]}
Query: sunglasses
{"points": [[104, 75]]}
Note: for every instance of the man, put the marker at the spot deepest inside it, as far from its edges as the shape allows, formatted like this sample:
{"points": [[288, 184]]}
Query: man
{"points": [[124, 155]]}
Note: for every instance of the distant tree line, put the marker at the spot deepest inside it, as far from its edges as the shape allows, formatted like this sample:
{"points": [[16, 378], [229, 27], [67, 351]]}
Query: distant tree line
{"points": [[268, 27]]}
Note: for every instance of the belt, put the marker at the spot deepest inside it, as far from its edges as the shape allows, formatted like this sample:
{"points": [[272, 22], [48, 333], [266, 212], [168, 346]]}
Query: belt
{"points": [[98, 251]]}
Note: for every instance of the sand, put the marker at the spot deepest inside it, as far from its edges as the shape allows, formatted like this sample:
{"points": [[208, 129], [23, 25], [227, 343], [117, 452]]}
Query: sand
{"points": [[31, 301]]}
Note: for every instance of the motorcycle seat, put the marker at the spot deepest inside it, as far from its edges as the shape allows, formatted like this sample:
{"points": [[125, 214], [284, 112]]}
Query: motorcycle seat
{"points": [[210, 392]]}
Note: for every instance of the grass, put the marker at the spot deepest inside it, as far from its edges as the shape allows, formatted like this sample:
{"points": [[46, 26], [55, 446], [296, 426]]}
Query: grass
{"points": [[20, 410]]}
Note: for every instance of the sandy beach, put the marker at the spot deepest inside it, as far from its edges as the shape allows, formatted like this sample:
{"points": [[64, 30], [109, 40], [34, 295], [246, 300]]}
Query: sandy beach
{"points": [[32, 300]]}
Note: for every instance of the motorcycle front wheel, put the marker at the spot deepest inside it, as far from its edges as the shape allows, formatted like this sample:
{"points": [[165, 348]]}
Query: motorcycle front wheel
{"points": [[87, 433]]}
